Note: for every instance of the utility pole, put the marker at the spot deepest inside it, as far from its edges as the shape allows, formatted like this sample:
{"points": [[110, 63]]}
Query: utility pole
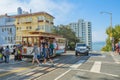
{"points": [[111, 35]]}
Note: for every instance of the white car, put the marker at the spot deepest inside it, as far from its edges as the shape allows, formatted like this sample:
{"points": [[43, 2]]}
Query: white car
{"points": [[81, 48]]}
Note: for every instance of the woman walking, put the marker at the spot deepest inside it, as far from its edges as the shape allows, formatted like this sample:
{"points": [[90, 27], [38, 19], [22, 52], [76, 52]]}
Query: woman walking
{"points": [[36, 52]]}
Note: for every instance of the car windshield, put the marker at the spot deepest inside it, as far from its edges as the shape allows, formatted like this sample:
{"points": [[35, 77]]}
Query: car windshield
{"points": [[81, 44]]}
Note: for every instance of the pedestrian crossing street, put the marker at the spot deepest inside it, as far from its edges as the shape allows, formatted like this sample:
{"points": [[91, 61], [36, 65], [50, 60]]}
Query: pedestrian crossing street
{"points": [[74, 64]]}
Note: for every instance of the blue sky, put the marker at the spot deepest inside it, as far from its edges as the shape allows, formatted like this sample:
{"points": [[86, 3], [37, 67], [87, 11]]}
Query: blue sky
{"points": [[66, 11]]}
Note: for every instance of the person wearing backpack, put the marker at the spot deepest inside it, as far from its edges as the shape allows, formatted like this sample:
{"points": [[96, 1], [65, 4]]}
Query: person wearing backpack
{"points": [[7, 54], [19, 55]]}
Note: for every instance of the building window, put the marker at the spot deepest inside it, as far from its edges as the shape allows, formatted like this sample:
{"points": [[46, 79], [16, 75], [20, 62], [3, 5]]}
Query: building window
{"points": [[8, 38], [42, 27], [30, 27], [41, 17], [26, 27], [10, 30], [2, 29], [5, 38], [17, 28], [29, 19], [7, 29]]}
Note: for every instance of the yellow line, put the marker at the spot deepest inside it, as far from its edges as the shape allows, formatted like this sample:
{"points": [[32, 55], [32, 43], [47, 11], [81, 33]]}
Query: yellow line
{"points": [[15, 71]]}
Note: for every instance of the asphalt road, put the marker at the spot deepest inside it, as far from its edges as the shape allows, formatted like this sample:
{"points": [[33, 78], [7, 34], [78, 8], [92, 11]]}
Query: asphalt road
{"points": [[96, 66]]}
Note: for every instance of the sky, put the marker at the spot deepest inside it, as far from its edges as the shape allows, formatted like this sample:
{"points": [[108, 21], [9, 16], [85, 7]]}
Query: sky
{"points": [[67, 11]]}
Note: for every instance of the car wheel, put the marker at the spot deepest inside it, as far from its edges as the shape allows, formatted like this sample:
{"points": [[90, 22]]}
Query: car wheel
{"points": [[76, 54]]}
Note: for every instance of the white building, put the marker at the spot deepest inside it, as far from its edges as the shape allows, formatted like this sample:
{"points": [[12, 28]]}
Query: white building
{"points": [[7, 29], [83, 31]]}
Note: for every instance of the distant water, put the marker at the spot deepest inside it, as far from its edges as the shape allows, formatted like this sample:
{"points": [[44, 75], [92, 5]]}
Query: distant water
{"points": [[97, 46]]}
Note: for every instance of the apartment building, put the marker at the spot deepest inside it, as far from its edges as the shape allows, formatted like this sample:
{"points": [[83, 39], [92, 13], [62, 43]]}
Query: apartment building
{"points": [[39, 21], [83, 31], [7, 29]]}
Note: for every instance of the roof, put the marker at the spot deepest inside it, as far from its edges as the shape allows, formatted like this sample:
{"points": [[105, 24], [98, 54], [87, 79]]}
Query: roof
{"points": [[37, 33], [30, 14], [5, 15]]}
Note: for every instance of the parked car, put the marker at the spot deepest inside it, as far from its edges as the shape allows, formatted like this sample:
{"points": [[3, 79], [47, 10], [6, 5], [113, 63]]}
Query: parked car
{"points": [[81, 48]]}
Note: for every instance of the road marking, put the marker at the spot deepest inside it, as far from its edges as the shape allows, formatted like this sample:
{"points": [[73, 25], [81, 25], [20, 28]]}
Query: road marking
{"points": [[36, 75], [96, 67], [102, 62], [29, 73], [14, 71], [95, 55], [62, 74], [50, 69], [77, 64], [97, 72]]}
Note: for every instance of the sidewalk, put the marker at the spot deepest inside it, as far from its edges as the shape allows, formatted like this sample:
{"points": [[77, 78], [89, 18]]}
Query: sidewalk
{"points": [[115, 57]]}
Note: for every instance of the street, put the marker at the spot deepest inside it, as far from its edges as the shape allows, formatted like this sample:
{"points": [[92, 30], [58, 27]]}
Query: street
{"points": [[96, 66]]}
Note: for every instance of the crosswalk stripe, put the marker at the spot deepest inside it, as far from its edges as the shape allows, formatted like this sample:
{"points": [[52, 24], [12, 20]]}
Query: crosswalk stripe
{"points": [[38, 74], [50, 69], [77, 64], [29, 73], [96, 67]]}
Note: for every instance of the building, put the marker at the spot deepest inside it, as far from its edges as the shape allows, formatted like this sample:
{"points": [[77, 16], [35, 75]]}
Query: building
{"points": [[83, 31], [7, 29], [39, 21]]}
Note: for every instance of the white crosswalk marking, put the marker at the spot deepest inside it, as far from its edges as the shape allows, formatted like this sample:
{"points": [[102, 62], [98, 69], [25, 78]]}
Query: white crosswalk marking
{"points": [[77, 64], [29, 73], [96, 67]]}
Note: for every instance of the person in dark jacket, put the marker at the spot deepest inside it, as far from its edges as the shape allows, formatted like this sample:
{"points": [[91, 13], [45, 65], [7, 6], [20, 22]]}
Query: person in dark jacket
{"points": [[7, 54]]}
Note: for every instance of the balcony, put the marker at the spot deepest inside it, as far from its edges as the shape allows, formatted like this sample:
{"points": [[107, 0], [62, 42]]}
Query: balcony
{"points": [[40, 20], [9, 23]]}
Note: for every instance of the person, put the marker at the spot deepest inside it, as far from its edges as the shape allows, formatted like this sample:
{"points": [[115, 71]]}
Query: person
{"points": [[48, 52], [51, 47], [16, 54], [1, 53], [7, 54], [14, 49], [44, 42], [116, 48], [55, 46], [41, 50], [19, 53], [35, 51]]}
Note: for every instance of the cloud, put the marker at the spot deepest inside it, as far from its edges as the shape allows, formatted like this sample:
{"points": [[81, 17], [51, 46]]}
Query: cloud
{"points": [[58, 9]]}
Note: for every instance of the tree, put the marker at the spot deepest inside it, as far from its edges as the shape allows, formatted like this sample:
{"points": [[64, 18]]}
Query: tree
{"points": [[67, 33], [114, 32]]}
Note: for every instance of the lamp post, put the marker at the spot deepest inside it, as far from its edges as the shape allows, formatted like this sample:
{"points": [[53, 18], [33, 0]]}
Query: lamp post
{"points": [[111, 35]]}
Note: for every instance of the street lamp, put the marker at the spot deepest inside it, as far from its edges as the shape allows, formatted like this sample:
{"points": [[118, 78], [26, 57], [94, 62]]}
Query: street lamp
{"points": [[111, 35]]}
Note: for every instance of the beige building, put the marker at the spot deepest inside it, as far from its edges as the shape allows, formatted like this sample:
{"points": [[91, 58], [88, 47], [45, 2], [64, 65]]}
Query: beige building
{"points": [[25, 23]]}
